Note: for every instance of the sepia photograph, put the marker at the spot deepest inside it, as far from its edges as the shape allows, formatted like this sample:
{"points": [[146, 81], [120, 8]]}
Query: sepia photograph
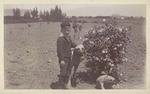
{"points": [[74, 46]]}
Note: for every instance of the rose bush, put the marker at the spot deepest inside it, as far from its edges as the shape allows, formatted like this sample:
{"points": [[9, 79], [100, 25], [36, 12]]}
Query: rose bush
{"points": [[105, 44]]}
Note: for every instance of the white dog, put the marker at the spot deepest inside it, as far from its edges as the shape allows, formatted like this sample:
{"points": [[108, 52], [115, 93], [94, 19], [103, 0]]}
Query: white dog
{"points": [[77, 53], [105, 81]]}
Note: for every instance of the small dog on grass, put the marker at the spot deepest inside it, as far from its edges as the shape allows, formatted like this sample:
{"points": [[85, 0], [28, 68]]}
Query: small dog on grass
{"points": [[105, 81], [108, 79]]}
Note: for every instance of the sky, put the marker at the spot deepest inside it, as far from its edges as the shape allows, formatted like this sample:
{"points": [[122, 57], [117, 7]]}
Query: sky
{"points": [[89, 9]]}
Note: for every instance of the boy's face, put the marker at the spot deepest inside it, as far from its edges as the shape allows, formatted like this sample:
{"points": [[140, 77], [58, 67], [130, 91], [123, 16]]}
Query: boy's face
{"points": [[66, 30]]}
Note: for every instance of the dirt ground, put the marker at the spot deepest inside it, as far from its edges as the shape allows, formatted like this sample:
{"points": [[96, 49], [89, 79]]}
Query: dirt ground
{"points": [[30, 59]]}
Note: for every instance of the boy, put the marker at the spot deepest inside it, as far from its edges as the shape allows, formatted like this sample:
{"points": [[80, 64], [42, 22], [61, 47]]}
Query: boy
{"points": [[64, 45]]}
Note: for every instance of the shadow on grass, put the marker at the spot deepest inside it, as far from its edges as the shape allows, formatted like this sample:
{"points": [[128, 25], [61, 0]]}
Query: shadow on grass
{"points": [[55, 85], [85, 77], [90, 75]]}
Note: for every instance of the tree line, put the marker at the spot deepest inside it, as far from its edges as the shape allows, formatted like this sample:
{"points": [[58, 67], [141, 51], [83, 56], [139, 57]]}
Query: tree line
{"points": [[54, 15]]}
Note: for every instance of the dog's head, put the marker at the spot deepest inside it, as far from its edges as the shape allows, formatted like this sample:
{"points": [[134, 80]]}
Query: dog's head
{"points": [[79, 49]]}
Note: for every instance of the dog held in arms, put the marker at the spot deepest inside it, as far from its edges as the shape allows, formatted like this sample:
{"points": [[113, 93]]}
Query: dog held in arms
{"points": [[77, 54]]}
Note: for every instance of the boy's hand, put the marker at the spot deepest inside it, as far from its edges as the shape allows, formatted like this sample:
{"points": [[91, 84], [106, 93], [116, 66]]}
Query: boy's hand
{"points": [[62, 62]]}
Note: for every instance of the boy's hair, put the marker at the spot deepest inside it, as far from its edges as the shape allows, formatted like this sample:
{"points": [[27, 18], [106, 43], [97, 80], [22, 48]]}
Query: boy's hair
{"points": [[65, 23]]}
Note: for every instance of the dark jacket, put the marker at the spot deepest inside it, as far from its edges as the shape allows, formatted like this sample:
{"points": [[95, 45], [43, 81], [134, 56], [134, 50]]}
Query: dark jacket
{"points": [[64, 46]]}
